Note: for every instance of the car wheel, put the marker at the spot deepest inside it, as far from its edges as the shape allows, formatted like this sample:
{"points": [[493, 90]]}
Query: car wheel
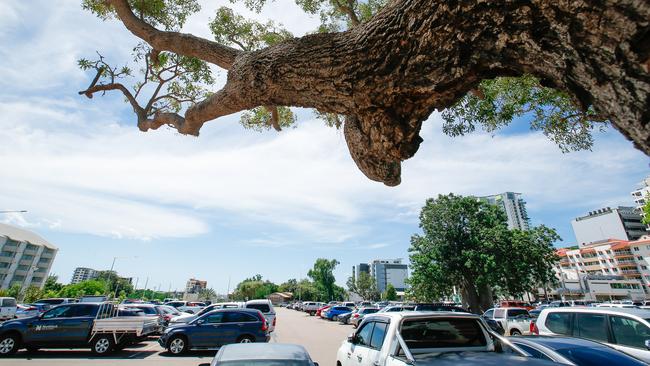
{"points": [[9, 344], [515, 333], [102, 345], [177, 345], [245, 339]]}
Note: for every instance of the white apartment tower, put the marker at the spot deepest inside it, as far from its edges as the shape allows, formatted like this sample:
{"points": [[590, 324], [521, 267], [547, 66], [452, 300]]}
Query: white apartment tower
{"points": [[641, 195], [81, 274], [25, 258], [514, 206]]}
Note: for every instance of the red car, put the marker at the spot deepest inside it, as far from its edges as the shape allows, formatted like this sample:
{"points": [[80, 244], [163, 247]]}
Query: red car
{"points": [[321, 311]]}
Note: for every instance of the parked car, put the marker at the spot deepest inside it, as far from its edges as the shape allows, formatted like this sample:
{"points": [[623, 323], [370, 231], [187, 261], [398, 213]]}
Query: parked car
{"points": [[56, 301], [191, 307], [336, 310], [262, 354], [75, 326], [26, 311], [8, 308], [627, 330], [187, 317], [417, 338], [215, 329], [573, 351], [360, 314], [310, 307], [151, 310], [266, 308], [322, 310], [515, 304], [515, 321], [397, 308], [344, 318]]}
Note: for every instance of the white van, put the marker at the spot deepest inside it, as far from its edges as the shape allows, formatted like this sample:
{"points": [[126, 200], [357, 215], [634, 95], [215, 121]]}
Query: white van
{"points": [[266, 308], [8, 308]]}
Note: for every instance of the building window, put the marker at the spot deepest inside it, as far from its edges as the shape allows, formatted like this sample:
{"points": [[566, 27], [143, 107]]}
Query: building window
{"points": [[27, 257], [639, 258], [611, 261], [636, 249], [23, 267], [644, 267]]}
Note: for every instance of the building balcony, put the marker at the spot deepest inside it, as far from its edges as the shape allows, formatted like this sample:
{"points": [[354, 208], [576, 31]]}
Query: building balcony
{"points": [[623, 255]]}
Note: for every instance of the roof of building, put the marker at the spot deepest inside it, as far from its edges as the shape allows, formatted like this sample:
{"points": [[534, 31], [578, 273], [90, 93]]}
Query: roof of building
{"points": [[19, 234]]}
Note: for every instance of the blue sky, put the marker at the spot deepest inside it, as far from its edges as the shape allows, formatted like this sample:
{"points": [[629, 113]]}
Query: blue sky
{"points": [[233, 203]]}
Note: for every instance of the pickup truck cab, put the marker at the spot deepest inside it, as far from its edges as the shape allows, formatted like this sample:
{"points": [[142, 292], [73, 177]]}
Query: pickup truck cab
{"points": [[419, 338], [74, 326], [515, 321]]}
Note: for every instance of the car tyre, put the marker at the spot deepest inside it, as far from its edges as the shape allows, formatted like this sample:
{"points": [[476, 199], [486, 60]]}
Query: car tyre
{"points": [[177, 345], [245, 339], [102, 345], [9, 344], [515, 333]]}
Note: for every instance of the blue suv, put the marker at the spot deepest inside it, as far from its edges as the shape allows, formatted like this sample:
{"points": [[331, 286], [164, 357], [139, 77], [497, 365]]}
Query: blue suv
{"points": [[215, 329]]}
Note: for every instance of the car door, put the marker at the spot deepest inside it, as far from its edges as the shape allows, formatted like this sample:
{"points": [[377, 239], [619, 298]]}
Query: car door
{"points": [[207, 331], [591, 326], [77, 323], [629, 336], [48, 330], [359, 349], [237, 324], [376, 342]]}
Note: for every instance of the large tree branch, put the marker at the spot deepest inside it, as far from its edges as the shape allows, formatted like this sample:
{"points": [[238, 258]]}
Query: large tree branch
{"points": [[113, 86], [181, 43]]}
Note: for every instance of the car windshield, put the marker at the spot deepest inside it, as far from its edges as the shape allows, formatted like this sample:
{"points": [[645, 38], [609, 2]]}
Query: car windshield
{"points": [[442, 333], [265, 363], [261, 307], [598, 357]]}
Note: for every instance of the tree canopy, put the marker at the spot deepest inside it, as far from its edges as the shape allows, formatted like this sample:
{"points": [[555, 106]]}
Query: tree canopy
{"points": [[323, 276], [466, 243], [379, 70], [364, 286]]}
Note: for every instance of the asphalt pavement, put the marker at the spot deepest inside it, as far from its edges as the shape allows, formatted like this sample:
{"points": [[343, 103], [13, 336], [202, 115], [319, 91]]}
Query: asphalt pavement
{"points": [[320, 337]]}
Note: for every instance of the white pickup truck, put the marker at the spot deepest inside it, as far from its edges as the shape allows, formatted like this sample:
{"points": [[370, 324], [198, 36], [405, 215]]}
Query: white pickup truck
{"points": [[311, 307], [515, 321], [419, 338]]}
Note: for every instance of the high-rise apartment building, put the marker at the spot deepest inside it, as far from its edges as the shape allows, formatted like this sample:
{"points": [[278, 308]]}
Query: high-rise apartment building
{"points": [[622, 223], [25, 258], [389, 271], [641, 195], [360, 268], [81, 274], [514, 206]]}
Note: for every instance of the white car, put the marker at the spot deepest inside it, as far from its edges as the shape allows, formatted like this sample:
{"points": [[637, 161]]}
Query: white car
{"points": [[627, 330], [191, 307], [188, 317], [515, 321], [266, 307], [8, 307]]}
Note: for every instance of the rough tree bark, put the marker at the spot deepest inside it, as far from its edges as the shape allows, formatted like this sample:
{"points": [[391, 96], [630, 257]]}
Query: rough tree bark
{"points": [[414, 56]]}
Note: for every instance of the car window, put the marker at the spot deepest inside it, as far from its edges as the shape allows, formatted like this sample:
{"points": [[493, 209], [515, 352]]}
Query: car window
{"points": [[601, 356], [147, 310], [532, 351], [82, 310], [264, 308], [9, 302], [57, 312], [234, 317], [378, 334], [591, 326], [559, 323], [369, 311], [214, 318], [499, 313], [629, 332], [364, 334], [513, 313], [489, 313], [441, 333]]}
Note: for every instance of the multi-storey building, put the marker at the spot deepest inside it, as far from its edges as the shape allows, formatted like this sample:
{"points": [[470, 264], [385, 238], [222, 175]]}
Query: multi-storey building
{"points": [[389, 271], [194, 286], [606, 223], [514, 207], [81, 274], [25, 258], [625, 262], [360, 268], [641, 195]]}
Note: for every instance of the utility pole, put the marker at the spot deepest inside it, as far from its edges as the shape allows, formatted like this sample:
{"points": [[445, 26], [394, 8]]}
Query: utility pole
{"points": [[228, 291]]}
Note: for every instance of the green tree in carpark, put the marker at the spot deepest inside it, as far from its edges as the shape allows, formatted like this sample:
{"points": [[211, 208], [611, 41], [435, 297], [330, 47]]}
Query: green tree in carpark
{"points": [[175, 78], [52, 284], [93, 287], [254, 288], [323, 276], [115, 283], [390, 294], [646, 210], [364, 286], [306, 291], [466, 243], [207, 294], [290, 285]]}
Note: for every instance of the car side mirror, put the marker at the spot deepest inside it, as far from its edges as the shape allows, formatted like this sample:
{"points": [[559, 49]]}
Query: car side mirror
{"points": [[352, 338], [647, 344], [199, 322]]}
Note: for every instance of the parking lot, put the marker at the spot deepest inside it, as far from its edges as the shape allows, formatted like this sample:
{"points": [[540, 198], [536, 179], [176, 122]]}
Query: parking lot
{"points": [[321, 338]]}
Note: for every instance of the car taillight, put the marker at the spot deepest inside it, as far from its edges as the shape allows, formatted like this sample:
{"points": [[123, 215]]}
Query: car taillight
{"points": [[533, 328], [356, 315], [31, 308], [261, 317]]}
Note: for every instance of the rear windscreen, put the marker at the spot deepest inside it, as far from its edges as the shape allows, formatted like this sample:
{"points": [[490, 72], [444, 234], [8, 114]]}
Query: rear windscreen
{"points": [[261, 307], [442, 333]]}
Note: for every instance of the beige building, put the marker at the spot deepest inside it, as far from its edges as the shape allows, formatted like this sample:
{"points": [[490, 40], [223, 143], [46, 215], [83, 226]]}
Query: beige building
{"points": [[25, 258]]}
